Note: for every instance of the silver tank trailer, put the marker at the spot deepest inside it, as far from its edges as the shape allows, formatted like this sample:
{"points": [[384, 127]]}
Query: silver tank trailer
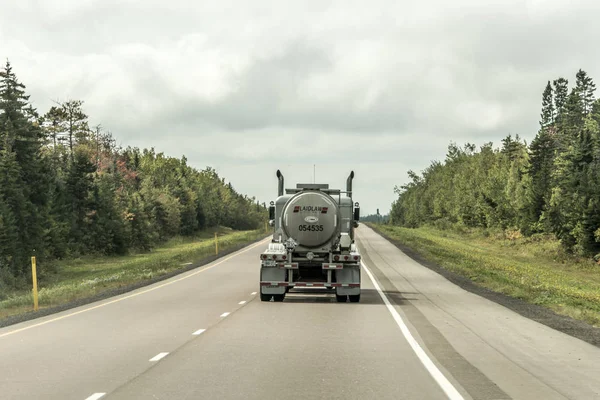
{"points": [[311, 217], [313, 242]]}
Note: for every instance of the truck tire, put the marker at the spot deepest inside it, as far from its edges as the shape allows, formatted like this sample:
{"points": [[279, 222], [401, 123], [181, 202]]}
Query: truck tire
{"points": [[354, 298], [341, 298], [265, 297], [278, 297]]}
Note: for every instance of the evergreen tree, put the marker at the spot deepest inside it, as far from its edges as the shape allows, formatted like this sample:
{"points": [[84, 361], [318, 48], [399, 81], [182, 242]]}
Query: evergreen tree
{"points": [[585, 88], [561, 92], [572, 121], [79, 186], [76, 123], [55, 125], [541, 155], [512, 148], [106, 233], [569, 213], [15, 212], [24, 165], [547, 116], [9, 240]]}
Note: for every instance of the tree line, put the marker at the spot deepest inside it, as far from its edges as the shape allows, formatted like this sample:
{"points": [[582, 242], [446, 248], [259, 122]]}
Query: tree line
{"points": [[67, 189], [551, 186], [375, 218]]}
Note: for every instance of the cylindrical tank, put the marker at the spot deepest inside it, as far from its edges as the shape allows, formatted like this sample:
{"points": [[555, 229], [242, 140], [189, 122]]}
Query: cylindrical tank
{"points": [[311, 218]]}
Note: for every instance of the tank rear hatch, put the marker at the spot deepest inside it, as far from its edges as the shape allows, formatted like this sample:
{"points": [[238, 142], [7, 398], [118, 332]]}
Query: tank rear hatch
{"points": [[311, 218]]}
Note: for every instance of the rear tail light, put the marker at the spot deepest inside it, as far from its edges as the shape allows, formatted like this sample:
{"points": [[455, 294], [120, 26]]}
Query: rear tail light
{"points": [[274, 256], [264, 257], [336, 258], [284, 257], [355, 258], [346, 258]]}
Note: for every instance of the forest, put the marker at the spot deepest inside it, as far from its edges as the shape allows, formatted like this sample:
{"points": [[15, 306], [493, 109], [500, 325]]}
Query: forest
{"points": [[375, 218], [67, 189], [548, 187]]}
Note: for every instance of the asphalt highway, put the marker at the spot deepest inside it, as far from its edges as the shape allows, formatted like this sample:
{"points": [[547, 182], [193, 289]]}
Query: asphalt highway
{"points": [[205, 334]]}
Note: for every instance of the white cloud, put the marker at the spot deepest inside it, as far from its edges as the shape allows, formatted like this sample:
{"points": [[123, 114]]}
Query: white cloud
{"points": [[249, 87]]}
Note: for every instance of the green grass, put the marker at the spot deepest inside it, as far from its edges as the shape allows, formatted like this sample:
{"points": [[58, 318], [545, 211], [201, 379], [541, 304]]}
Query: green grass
{"points": [[532, 269], [85, 277]]}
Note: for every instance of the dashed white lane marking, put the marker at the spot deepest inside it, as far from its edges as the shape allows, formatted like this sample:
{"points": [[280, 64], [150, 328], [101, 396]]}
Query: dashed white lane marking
{"points": [[437, 375], [198, 332], [253, 293], [158, 356], [242, 302], [95, 396], [224, 314]]}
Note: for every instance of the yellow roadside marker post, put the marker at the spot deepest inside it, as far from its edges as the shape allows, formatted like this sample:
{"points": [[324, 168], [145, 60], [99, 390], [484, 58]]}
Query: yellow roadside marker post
{"points": [[216, 245], [34, 278]]}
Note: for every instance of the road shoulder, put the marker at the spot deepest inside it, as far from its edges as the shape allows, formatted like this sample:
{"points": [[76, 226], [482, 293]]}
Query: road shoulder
{"points": [[545, 316]]}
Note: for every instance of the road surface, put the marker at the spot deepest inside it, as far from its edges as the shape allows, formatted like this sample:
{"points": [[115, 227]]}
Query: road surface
{"points": [[205, 334]]}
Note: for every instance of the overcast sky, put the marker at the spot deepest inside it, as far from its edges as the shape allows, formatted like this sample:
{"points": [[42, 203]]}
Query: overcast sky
{"points": [[249, 87]]}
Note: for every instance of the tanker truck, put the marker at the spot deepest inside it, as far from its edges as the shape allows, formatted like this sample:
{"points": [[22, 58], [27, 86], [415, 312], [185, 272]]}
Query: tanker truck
{"points": [[313, 242]]}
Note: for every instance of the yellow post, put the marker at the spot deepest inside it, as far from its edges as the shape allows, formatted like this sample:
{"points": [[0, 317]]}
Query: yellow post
{"points": [[216, 245], [34, 278]]}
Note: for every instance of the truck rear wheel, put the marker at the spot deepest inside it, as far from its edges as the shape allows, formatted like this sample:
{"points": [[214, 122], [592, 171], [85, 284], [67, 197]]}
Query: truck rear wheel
{"points": [[354, 298], [341, 298], [265, 297]]}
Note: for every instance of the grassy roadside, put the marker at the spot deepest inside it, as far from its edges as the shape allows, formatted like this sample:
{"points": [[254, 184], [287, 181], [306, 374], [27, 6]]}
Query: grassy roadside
{"points": [[87, 277], [535, 270]]}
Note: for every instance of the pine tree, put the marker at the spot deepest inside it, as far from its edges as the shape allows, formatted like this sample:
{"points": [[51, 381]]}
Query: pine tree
{"points": [[15, 215], [595, 114], [542, 153], [9, 237], [55, 125], [512, 148], [24, 137], [76, 123], [547, 107], [568, 209], [561, 92], [23, 160], [106, 233], [79, 186], [572, 121], [585, 89]]}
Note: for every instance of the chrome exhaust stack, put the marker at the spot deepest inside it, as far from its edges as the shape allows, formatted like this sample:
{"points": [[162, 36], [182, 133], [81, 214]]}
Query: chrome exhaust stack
{"points": [[280, 189], [349, 184]]}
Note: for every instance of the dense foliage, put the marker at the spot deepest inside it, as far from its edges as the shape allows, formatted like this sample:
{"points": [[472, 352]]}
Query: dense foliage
{"points": [[67, 189], [375, 218], [551, 186]]}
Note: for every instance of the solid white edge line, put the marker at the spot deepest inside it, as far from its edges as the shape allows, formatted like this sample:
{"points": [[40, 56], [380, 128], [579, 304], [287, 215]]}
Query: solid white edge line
{"points": [[199, 332], [437, 375], [95, 396], [253, 293], [224, 314], [158, 356], [242, 302]]}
